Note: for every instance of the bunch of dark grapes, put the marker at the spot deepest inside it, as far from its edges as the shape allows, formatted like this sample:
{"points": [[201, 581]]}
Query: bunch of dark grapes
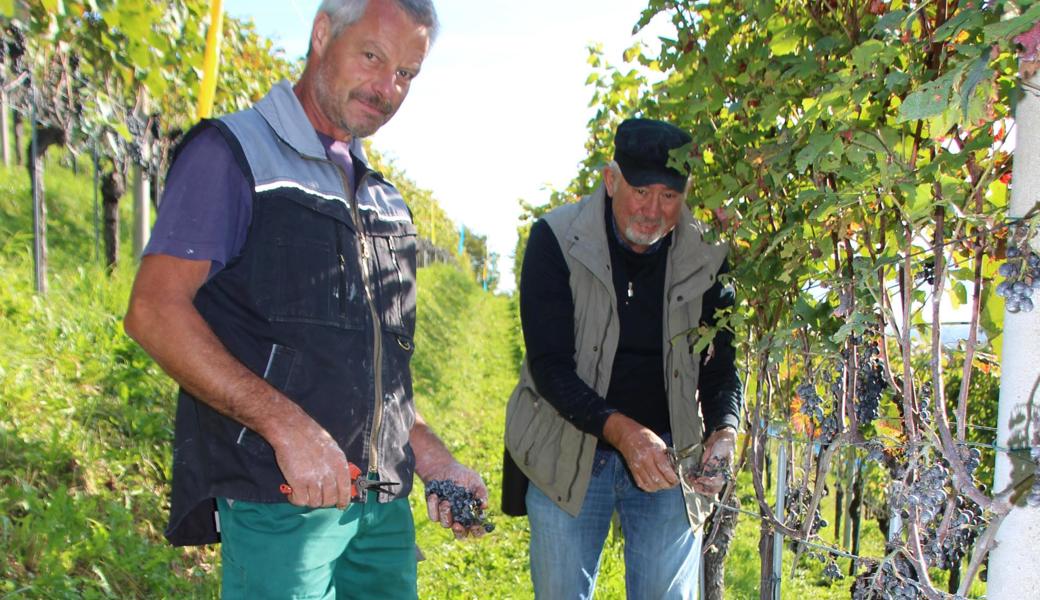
{"points": [[924, 403], [715, 466], [832, 571], [1034, 493], [466, 508], [891, 580], [796, 508], [870, 384], [1021, 272], [812, 407], [927, 494], [962, 531], [812, 404], [829, 429], [14, 47], [971, 457], [137, 128], [927, 273], [875, 451]]}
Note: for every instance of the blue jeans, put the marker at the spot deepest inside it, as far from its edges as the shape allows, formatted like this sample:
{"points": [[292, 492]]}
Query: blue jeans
{"points": [[662, 554]]}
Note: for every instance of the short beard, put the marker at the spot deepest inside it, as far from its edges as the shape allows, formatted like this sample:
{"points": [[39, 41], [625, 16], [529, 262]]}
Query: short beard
{"points": [[645, 239], [326, 99]]}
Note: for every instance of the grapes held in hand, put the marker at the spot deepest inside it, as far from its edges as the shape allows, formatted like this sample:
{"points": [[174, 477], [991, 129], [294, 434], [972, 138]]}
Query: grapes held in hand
{"points": [[466, 508]]}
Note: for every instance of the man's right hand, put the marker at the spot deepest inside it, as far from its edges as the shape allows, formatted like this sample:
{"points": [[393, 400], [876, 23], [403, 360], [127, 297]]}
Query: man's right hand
{"points": [[162, 318], [644, 451], [312, 462]]}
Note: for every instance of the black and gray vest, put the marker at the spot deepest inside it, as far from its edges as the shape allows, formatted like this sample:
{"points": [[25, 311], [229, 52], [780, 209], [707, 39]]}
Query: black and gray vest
{"points": [[320, 303]]}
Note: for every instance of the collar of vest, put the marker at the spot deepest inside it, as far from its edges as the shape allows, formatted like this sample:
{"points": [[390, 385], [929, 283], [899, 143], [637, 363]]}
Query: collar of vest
{"points": [[284, 113]]}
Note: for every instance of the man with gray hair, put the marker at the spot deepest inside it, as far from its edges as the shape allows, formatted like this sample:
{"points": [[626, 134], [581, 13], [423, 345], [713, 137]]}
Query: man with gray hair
{"points": [[615, 400], [278, 290]]}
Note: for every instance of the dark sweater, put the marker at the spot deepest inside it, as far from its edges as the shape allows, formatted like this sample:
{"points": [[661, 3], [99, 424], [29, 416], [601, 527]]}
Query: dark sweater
{"points": [[637, 379]]}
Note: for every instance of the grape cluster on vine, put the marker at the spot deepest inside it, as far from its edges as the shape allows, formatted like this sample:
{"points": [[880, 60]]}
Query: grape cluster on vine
{"points": [[924, 403], [927, 495], [927, 273], [796, 507], [946, 548], [812, 407], [812, 404], [1021, 272], [832, 571], [466, 509], [875, 450], [870, 383], [893, 579], [1034, 493]]}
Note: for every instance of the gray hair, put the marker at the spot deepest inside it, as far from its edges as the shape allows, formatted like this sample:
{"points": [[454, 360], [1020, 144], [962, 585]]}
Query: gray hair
{"points": [[348, 12]]}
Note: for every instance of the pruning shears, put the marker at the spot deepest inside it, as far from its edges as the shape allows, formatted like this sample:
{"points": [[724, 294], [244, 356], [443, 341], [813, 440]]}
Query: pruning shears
{"points": [[358, 484], [677, 456]]}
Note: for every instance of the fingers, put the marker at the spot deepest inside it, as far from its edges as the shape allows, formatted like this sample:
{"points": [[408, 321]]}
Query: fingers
{"points": [[652, 470], [433, 510], [440, 511], [458, 484], [480, 491], [709, 486], [343, 484]]}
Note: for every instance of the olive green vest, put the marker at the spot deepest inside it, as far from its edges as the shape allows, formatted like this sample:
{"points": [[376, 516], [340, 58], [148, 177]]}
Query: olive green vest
{"points": [[554, 454]]}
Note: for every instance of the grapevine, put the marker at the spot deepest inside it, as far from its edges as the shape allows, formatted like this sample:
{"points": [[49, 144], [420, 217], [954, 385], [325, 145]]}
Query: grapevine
{"points": [[1021, 272]]}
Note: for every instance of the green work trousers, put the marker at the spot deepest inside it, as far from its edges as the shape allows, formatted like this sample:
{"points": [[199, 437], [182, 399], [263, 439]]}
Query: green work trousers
{"points": [[280, 551]]}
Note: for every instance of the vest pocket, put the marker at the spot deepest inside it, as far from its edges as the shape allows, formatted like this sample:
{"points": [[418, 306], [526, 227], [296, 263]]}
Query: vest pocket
{"points": [[280, 366], [395, 283], [309, 282], [533, 435]]}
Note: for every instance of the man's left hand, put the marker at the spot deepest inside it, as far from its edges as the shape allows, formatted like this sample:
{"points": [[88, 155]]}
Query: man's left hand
{"points": [[718, 451], [440, 510]]}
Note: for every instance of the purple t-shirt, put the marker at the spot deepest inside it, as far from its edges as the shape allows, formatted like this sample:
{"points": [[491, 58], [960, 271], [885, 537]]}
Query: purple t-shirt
{"points": [[207, 204]]}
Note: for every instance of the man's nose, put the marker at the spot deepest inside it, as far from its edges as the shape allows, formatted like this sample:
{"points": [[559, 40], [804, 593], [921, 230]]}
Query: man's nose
{"points": [[385, 84], [652, 207]]}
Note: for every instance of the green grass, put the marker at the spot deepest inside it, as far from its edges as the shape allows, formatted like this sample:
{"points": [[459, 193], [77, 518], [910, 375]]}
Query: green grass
{"points": [[86, 420], [86, 424]]}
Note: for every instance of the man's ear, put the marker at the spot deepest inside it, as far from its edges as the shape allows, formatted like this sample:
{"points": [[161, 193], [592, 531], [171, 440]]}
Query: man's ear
{"points": [[610, 179], [321, 33]]}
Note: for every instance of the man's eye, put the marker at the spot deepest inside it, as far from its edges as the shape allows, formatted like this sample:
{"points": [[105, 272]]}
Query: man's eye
{"points": [[641, 191], [370, 56], [406, 75]]}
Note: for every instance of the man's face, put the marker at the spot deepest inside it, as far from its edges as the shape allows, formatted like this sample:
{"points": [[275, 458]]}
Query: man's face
{"points": [[364, 73], [644, 214]]}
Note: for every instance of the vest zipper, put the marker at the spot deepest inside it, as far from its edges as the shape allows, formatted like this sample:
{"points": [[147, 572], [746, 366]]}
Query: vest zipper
{"points": [[377, 342], [377, 339]]}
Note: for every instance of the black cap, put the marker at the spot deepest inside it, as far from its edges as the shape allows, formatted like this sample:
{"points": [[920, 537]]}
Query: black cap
{"points": [[641, 149]]}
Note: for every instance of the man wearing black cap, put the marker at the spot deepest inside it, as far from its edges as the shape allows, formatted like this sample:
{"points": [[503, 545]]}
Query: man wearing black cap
{"points": [[612, 292]]}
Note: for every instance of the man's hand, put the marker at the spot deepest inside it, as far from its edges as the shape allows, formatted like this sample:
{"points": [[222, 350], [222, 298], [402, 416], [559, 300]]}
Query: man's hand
{"points": [[312, 462], [718, 454], [644, 451], [433, 462], [162, 318], [440, 510]]}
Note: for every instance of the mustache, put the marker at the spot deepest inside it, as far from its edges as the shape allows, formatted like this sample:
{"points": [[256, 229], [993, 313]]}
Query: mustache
{"points": [[380, 103], [636, 219]]}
